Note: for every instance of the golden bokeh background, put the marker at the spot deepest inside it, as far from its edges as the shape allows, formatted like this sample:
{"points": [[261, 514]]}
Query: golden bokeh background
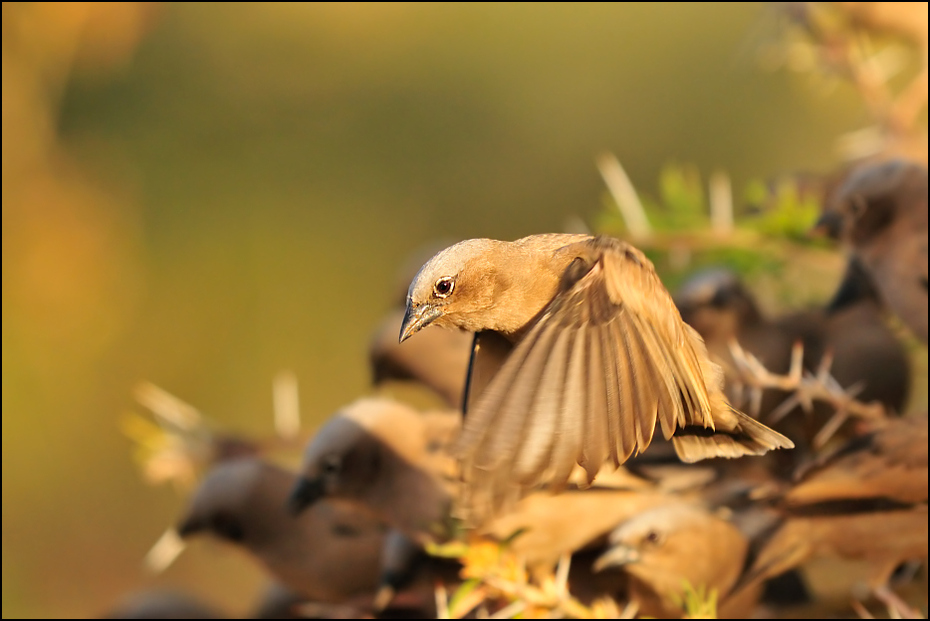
{"points": [[202, 195]]}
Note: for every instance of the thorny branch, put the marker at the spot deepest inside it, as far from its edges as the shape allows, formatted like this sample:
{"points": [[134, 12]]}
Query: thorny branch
{"points": [[806, 387], [503, 577]]}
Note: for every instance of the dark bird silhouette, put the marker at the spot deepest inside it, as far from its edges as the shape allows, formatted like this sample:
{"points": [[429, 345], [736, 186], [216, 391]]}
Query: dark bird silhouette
{"points": [[387, 458], [326, 554], [880, 213]]}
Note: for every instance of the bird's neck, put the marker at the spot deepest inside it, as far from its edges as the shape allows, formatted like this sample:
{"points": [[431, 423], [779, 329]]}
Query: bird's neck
{"points": [[524, 290]]}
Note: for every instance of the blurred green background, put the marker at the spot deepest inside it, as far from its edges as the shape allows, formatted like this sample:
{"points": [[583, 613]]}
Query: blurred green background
{"points": [[201, 196]]}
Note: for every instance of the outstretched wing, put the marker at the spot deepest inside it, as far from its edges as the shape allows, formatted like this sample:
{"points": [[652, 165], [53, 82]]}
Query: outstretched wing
{"points": [[606, 359]]}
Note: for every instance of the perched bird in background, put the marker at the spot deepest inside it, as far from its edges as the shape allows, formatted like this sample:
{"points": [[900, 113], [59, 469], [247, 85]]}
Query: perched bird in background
{"points": [[865, 351], [390, 460], [387, 457], [865, 501], [880, 213], [328, 554], [437, 359], [676, 546], [551, 525], [600, 354]]}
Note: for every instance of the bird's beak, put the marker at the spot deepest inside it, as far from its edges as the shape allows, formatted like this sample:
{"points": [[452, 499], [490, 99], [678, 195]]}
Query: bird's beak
{"points": [[616, 556], [829, 225], [190, 526], [305, 493], [416, 318]]}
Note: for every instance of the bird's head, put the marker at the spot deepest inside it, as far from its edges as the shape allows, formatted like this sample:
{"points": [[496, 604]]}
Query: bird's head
{"points": [[669, 544], [229, 501], [453, 288], [631, 543], [339, 462], [866, 201], [716, 304]]}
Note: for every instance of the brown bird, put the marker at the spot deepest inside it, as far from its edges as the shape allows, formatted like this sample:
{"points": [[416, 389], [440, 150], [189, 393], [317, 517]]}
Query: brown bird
{"points": [[572, 520], [387, 457], [327, 554], [880, 213], [390, 460], [866, 501], [600, 354], [674, 545], [865, 351]]}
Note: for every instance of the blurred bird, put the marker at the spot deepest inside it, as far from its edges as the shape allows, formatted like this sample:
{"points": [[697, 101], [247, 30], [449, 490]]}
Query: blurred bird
{"points": [[280, 602], [864, 351], [276, 601], [162, 604], [676, 546], [437, 359], [889, 464], [880, 213], [867, 501], [327, 554], [600, 354], [550, 526], [388, 458]]}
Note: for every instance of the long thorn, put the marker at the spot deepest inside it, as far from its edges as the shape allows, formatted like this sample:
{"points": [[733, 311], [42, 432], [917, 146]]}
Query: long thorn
{"points": [[624, 194]]}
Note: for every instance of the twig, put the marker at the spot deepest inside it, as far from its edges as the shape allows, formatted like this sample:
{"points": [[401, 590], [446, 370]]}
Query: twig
{"points": [[630, 610], [721, 203], [164, 552], [806, 388], [561, 574], [508, 611], [286, 405], [624, 194], [442, 602], [861, 610], [167, 408], [897, 607]]}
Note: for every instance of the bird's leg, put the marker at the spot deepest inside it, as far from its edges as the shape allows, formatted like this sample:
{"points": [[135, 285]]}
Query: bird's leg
{"points": [[895, 605], [471, 368]]}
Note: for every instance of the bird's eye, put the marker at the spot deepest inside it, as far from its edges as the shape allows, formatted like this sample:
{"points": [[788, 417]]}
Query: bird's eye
{"points": [[443, 287], [332, 464], [858, 205], [653, 538]]}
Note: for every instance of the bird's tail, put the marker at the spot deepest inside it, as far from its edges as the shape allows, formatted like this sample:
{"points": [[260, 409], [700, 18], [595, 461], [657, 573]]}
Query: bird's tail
{"points": [[747, 437]]}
